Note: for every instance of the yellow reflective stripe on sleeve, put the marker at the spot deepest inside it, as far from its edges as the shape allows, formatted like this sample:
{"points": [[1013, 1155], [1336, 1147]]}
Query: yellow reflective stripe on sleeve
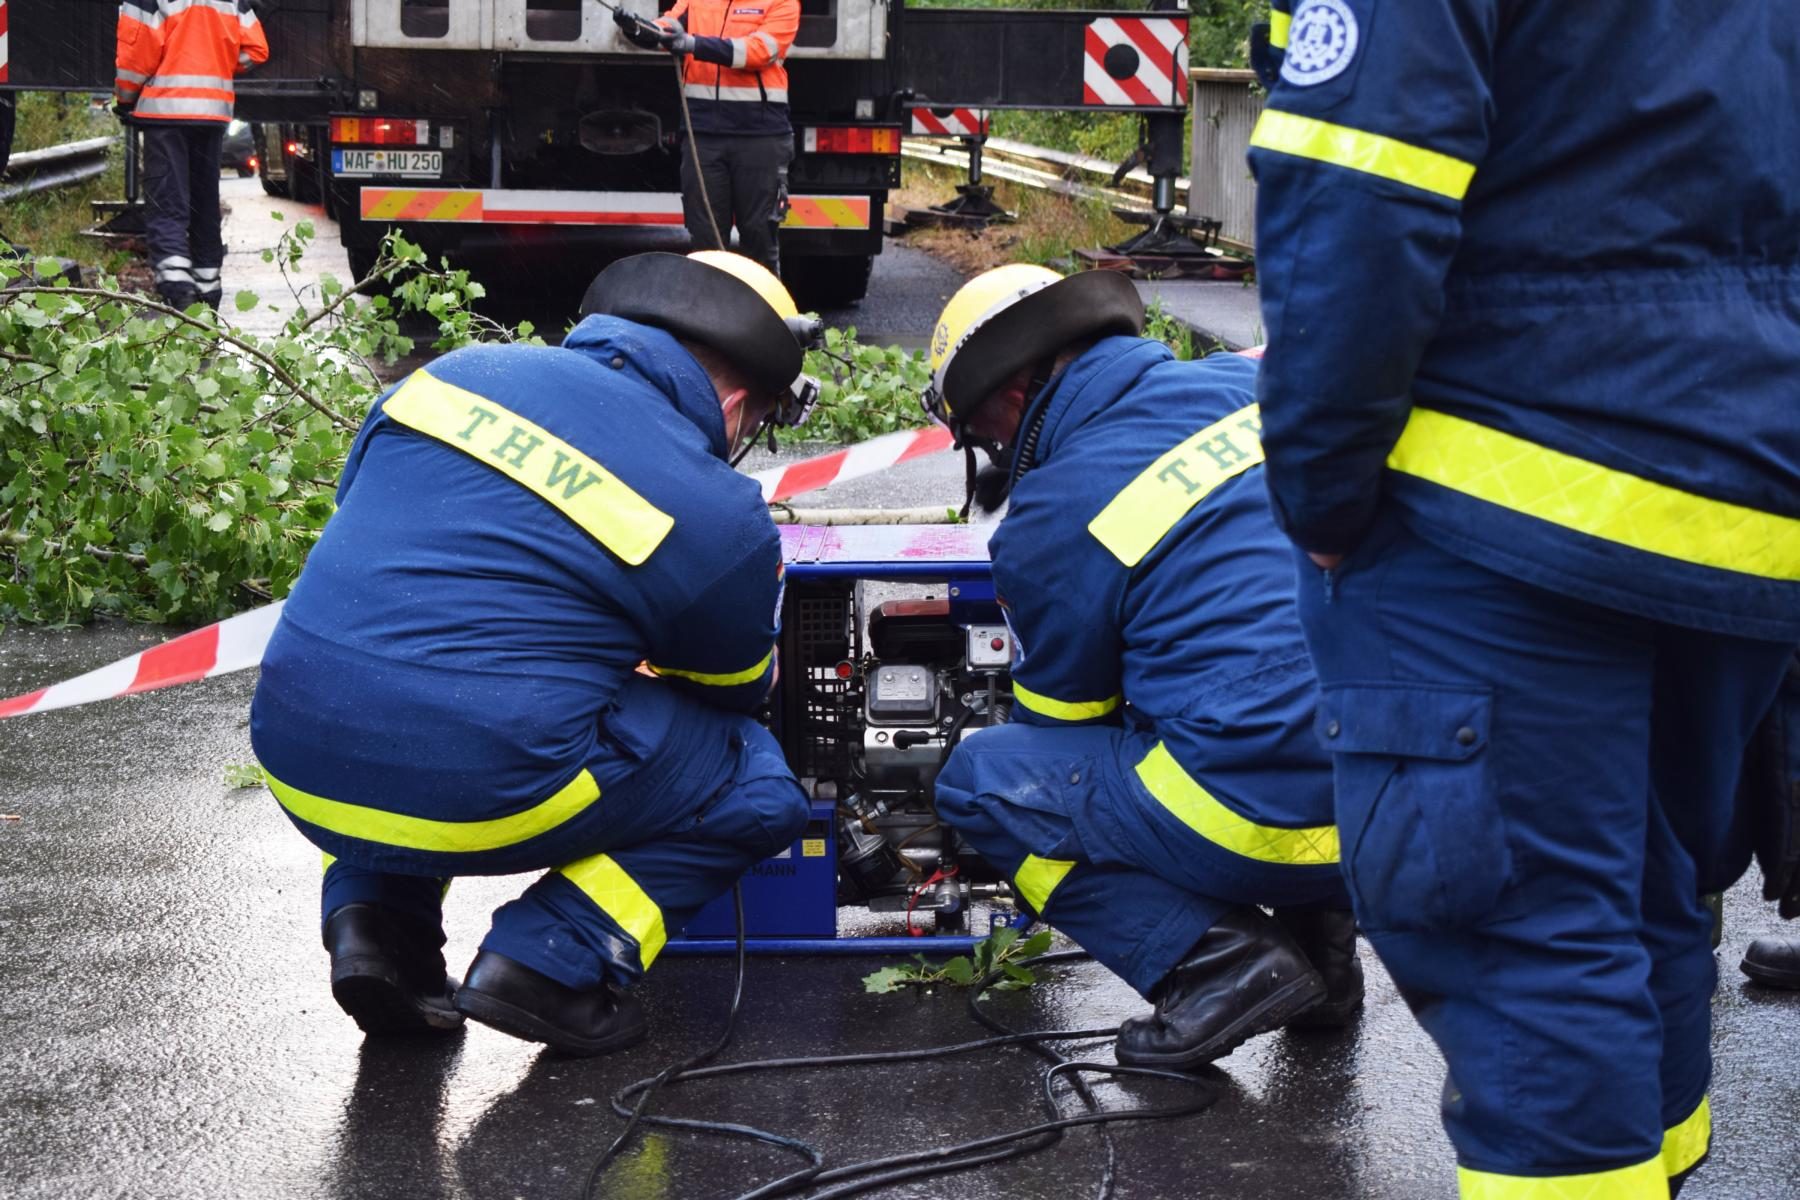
{"points": [[1370, 153], [1196, 808], [605, 883], [1588, 498], [423, 833], [1645, 1181], [1038, 877], [1279, 24], [731, 679], [1149, 506], [1064, 710], [1687, 1143], [537, 460]]}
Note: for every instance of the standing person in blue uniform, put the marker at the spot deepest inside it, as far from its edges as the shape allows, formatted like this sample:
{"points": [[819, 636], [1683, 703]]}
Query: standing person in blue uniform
{"points": [[1159, 779], [453, 688], [1532, 288]]}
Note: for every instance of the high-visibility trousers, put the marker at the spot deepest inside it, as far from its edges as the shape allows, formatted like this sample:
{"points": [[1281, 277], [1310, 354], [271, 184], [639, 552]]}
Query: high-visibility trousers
{"points": [[1071, 818], [677, 824], [1533, 793]]}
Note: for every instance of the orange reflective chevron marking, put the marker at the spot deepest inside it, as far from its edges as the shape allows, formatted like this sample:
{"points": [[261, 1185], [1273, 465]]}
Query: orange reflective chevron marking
{"points": [[416, 204], [827, 212]]}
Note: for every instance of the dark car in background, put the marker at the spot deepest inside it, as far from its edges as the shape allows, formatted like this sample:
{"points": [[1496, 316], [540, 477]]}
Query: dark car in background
{"points": [[239, 153]]}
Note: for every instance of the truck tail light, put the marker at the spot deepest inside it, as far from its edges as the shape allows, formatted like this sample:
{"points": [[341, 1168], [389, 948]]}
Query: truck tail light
{"points": [[380, 131], [852, 139]]}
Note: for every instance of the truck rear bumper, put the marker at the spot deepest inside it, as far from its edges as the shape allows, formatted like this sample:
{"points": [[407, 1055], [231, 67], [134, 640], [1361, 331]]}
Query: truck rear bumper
{"points": [[510, 206]]}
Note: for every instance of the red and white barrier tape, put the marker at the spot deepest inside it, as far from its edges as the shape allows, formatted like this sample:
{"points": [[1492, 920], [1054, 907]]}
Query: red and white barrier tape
{"points": [[232, 645], [852, 462]]}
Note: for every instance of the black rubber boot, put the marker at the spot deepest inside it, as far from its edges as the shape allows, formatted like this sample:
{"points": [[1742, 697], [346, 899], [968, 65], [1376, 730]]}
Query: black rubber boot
{"points": [[513, 998], [1244, 977], [1327, 936], [387, 971], [1773, 962]]}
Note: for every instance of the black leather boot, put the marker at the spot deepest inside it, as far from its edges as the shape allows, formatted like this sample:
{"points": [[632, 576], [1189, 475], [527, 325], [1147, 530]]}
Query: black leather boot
{"points": [[387, 971], [1244, 977], [1773, 962], [513, 998], [1327, 936]]}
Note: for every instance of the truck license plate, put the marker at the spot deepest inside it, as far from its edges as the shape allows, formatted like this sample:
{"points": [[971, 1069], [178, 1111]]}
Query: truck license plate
{"points": [[408, 164]]}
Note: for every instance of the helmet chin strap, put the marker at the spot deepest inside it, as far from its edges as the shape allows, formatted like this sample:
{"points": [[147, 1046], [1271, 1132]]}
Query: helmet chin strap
{"points": [[988, 487], [749, 443]]}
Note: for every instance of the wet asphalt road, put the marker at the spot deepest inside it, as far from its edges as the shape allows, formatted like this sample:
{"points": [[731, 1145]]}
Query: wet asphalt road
{"points": [[166, 1029]]}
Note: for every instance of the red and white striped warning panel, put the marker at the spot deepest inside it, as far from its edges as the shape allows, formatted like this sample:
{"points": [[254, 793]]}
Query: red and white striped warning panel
{"points": [[949, 122], [5, 50], [1135, 62], [231, 645], [852, 462]]}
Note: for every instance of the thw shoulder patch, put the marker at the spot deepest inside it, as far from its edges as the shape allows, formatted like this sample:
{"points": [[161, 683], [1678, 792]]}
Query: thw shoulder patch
{"points": [[1322, 42]]}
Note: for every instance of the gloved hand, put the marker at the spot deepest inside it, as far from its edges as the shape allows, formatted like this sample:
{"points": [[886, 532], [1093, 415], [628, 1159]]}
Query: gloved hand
{"points": [[639, 32], [124, 111], [681, 43]]}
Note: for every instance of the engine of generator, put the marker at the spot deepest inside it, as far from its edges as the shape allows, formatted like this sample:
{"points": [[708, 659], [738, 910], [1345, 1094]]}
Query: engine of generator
{"points": [[880, 693]]}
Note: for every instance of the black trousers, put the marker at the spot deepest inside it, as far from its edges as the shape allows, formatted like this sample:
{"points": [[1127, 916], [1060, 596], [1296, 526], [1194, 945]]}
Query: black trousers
{"points": [[181, 222], [746, 180]]}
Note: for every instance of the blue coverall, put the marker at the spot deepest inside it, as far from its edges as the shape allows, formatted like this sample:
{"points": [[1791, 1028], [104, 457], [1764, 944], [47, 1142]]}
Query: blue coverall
{"points": [[1531, 279], [452, 687], [1160, 766]]}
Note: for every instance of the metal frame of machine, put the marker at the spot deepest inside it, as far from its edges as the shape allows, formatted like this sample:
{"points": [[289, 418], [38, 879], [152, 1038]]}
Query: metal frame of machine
{"points": [[873, 693]]}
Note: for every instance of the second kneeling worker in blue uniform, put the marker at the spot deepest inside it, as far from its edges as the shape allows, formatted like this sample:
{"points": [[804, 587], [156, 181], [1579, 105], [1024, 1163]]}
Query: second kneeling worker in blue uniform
{"points": [[454, 689], [1160, 778]]}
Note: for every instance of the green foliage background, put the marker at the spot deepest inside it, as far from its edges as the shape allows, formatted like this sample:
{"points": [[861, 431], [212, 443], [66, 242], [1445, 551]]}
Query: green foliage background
{"points": [[166, 466]]}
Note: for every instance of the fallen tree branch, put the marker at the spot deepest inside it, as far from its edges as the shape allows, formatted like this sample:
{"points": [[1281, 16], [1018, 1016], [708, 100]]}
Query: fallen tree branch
{"points": [[219, 330]]}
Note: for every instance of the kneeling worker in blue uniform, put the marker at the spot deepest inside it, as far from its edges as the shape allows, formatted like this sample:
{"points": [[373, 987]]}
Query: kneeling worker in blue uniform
{"points": [[1160, 778], [453, 688]]}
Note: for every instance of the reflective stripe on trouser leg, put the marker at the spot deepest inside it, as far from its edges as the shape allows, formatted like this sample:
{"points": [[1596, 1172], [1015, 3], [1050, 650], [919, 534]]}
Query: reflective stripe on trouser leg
{"points": [[603, 881], [1134, 923], [1688, 1141], [419, 896], [1644, 1181], [605, 917]]}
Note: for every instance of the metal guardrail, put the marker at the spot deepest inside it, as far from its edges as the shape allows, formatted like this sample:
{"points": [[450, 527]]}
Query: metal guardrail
{"points": [[55, 166]]}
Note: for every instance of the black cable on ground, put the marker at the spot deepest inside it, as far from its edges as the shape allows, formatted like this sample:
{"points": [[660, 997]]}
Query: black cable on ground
{"points": [[637, 1115], [893, 1169], [1110, 1165]]}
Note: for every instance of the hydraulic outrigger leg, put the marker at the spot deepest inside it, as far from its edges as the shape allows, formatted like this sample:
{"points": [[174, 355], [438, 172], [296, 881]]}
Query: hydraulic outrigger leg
{"points": [[1168, 236], [974, 203]]}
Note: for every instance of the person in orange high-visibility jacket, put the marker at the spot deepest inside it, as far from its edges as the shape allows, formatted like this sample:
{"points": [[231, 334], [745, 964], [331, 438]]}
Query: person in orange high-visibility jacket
{"points": [[176, 63], [737, 92]]}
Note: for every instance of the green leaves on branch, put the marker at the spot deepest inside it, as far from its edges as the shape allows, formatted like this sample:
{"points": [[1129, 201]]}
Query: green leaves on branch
{"points": [[171, 466], [1004, 952], [868, 390]]}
